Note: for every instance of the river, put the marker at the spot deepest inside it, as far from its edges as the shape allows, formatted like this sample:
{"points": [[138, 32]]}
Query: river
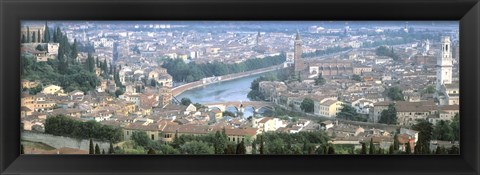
{"points": [[233, 90]]}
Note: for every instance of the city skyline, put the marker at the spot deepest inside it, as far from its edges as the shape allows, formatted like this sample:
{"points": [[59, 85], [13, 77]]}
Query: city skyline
{"points": [[248, 87]]}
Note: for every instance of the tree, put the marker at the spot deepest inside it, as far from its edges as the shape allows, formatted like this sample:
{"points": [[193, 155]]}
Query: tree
{"points": [[349, 113], [90, 64], [153, 83], [103, 151], [57, 36], [176, 140], [34, 38], [74, 51], [364, 148], [141, 138], [408, 150], [38, 36], [430, 90], [23, 39], [307, 105], [97, 63], [64, 126], [440, 150], [396, 145], [97, 149], [372, 147], [424, 136], [230, 149], [91, 149], [443, 131], [455, 125], [22, 149], [110, 149], [389, 116], [454, 150], [46, 33], [28, 35], [220, 143], [384, 51], [241, 148], [262, 147], [254, 148], [356, 78], [151, 151], [185, 101], [119, 92], [320, 80], [395, 93], [331, 150], [196, 147], [105, 69], [391, 149], [39, 48]]}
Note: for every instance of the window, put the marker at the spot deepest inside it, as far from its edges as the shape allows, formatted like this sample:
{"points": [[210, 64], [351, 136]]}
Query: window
{"points": [[153, 137]]}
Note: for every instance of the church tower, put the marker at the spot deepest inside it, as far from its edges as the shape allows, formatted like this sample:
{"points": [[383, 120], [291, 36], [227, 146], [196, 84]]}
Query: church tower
{"points": [[444, 64], [257, 41], [297, 57]]}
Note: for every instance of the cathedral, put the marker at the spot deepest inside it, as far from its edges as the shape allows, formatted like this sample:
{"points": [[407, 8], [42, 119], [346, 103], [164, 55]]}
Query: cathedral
{"points": [[314, 68]]}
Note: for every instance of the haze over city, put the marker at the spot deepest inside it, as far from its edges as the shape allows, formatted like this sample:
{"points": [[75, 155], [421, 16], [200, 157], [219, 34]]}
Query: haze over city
{"points": [[240, 87]]}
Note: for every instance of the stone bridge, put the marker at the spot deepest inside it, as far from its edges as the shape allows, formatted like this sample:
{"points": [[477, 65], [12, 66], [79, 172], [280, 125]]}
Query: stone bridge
{"points": [[240, 106]]}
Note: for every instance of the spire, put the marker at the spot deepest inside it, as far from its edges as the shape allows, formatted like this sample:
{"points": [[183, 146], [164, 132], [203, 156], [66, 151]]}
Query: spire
{"points": [[298, 36]]}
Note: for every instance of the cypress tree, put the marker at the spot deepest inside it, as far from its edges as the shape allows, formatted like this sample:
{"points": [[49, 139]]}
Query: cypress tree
{"points": [[28, 34], [391, 149], [90, 63], [151, 151], [254, 148], [241, 148], [364, 148], [396, 145], [103, 151], [262, 147], [38, 37], [34, 38], [372, 147], [73, 50], [331, 150], [105, 69], [97, 62], [23, 40], [91, 149], [305, 148], [380, 151], [22, 149], [408, 149], [97, 149], [46, 36], [58, 35], [110, 149]]}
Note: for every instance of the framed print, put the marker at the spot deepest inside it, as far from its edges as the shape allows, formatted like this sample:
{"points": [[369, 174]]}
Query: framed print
{"points": [[239, 87]]}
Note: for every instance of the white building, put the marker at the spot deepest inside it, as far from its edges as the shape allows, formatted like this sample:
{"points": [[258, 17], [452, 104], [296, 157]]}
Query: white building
{"points": [[444, 64]]}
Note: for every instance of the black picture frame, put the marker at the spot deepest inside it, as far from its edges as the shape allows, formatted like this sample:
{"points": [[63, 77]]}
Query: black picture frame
{"points": [[13, 11]]}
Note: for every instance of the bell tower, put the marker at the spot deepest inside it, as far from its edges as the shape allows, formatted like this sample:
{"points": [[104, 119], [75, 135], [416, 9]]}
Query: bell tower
{"points": [[299, 66], [444, 64]]}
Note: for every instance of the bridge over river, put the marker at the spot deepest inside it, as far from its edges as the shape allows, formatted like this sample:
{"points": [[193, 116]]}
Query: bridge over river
{"points": [[240, 106]]}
